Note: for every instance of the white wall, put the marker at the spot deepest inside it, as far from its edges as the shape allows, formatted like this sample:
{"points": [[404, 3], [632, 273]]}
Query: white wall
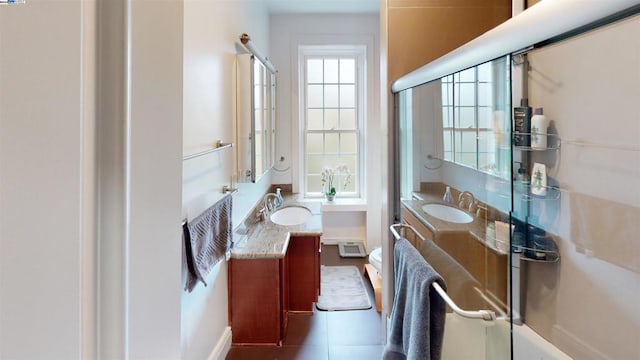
{"points": [[46, 180], [211, 42], [153, 259], [288, 32], [589, 86], [89, 242]]}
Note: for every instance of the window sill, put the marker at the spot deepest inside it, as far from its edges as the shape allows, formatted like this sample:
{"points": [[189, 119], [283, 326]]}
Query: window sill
{"points": [[344, 204]]}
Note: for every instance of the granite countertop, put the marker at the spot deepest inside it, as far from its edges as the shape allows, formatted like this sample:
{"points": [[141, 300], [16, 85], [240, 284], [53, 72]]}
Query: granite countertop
{"points": [[265, 239], [439, 227]]}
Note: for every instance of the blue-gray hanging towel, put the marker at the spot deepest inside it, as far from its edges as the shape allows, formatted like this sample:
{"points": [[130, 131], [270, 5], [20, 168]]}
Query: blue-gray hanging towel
{"points": [[206, 241], [418, 314]]}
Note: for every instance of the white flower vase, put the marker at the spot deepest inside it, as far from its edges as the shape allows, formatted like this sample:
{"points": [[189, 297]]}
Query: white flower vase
{"points": [[329, 197]]}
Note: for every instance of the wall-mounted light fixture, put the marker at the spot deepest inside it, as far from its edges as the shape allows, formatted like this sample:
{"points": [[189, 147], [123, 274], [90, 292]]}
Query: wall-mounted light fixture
{"points": [[246, 41]]}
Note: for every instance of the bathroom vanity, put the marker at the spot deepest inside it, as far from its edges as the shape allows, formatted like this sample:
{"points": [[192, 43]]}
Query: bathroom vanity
{"points": [[273, 271]]}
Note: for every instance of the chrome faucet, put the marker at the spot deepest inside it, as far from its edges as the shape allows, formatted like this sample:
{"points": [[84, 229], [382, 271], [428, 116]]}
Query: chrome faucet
{"points": [[466, 201], [270, 202]]}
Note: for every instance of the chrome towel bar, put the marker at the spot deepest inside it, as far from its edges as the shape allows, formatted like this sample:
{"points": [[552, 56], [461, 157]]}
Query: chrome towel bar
{"points": [[218, 146], [487, 315]]}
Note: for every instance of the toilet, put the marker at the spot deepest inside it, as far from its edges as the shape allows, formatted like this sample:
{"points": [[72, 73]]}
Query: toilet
{"points": [[375, 259]]}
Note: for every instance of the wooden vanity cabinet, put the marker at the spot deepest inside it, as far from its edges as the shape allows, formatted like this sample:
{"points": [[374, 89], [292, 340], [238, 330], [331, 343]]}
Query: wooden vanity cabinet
{"points": [[257, 311], [303, 267], [410, 219], [263, 291]]}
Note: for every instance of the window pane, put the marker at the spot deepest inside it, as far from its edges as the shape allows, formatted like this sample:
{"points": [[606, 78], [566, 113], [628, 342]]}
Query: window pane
{"points": [[257, 100], [314, 70], [347, 95], [314, 119], [485, 72], [485, 94], [314, 96], [331, 119], [448, 142], [314, 183], [465, 117], [466, 94], [314, 164], [347, 119], [348, 143], [467, 75], [330, 161], [447, 97], [331, 143], [347, 71], [314, 143], [468, 144], [331, 95], [331, 71], [350, 161], [447, 116]]}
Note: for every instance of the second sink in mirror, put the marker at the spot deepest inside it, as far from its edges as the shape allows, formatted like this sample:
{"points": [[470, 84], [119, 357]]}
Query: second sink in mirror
{"points": [[447, 213]]}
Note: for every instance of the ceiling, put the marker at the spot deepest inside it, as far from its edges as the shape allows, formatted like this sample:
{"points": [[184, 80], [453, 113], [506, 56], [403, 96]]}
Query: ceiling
{"points": [[323, 6]]}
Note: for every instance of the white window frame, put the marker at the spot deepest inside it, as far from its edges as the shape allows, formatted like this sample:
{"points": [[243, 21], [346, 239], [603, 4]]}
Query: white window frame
{"points": [[359, 53]]}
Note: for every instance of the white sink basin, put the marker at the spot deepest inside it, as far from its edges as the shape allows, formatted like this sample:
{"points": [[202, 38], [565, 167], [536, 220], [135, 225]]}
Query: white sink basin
{"points": [[447, 213], [292, 215]]}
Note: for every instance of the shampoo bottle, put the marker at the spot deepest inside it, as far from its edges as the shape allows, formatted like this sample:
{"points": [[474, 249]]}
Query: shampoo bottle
{"points": [[522, 124], [539, 124], [539, 179]]}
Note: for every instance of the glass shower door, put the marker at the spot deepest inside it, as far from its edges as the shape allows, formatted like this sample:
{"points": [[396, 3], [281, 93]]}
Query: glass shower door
{"points": [[455, 132]]}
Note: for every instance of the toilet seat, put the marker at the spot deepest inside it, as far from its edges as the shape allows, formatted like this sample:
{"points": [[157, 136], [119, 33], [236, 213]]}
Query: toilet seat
{"points": [[375, 259]]}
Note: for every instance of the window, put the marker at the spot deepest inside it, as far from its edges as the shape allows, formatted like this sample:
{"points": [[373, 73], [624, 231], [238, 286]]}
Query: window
{"points": [[332, 118]]}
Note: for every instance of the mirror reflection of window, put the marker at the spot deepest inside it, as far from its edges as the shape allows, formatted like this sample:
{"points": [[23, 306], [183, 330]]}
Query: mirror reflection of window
{"points": [[476, 115]]}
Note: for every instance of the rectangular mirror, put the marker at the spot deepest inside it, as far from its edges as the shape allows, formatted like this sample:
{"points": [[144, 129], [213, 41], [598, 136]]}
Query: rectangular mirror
{"points": [[463, 118], [256, 118]]}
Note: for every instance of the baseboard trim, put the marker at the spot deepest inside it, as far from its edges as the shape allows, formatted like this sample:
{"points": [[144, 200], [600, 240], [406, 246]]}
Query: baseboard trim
{"points": [[223, 346], [335, 240]]}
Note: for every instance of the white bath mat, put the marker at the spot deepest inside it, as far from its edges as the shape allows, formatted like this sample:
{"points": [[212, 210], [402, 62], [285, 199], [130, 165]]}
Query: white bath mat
{"points": [[342, 288]]}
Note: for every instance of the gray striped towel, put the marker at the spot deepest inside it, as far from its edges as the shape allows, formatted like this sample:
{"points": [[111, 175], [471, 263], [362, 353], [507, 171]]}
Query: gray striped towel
{"points": [[206, 241]]}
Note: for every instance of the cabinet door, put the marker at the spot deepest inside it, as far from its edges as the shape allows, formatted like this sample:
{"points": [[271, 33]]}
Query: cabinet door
{"points": [[303, 267], [255, 303], [420, 228]]}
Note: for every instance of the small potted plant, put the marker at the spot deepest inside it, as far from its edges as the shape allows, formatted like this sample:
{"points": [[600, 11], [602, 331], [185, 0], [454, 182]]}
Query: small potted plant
{"points": [[328, 175]]}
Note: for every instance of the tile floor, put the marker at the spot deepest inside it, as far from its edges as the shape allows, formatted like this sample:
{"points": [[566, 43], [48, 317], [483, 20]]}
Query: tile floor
{"points": [[326, 335]]}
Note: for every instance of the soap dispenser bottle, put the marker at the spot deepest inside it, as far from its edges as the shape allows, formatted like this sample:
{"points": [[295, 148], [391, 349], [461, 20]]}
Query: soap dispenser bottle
{"points": [[448, 198], [279, 199]]}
